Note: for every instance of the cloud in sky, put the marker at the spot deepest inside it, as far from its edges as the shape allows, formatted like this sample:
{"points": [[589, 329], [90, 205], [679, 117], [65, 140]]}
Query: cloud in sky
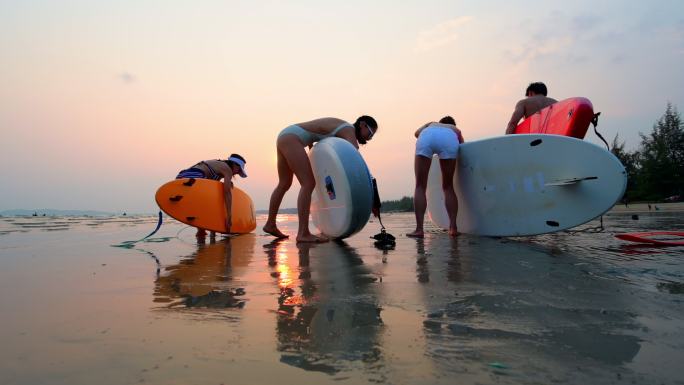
{"points": [[565, 39], [441, 34], [584, 23], [679, 35], [534, 50], [127, 77]]}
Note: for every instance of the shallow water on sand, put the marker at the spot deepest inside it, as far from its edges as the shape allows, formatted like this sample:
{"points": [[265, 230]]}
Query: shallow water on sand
{"points": [[574, 307]]}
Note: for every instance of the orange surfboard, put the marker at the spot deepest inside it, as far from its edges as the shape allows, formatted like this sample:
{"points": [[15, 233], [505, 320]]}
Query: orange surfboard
{"points": [[199, 203], [569, 117]]}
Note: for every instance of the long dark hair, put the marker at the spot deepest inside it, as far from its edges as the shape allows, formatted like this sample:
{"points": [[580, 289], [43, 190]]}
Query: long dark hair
{"points": [[357, 127]]}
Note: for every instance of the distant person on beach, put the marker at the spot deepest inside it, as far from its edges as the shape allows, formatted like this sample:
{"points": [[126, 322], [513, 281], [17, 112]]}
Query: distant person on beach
{"points": [[534, 101], [442, 138], [293, 160], [218, 169]]}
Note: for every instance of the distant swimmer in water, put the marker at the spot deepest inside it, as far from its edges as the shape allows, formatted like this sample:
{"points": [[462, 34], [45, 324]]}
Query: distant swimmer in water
{"points": [[293, 160], [442, 138], [218, 169], [535, 100]]}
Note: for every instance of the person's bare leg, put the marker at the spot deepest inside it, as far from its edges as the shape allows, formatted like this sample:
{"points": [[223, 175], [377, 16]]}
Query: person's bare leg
{"points": [[448, 167], [422, 168], [298, 162], [284, 183], [201, 236]]}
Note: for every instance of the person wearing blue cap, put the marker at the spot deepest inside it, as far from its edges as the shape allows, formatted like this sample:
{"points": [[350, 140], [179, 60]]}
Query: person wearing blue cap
{"points": [[218, 169]]}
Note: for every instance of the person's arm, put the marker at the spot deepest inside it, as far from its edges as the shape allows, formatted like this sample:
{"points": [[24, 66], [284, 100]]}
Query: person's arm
{"points": [[349, 135], [228, 198], [419, 130], [459, 135], [518, 114]]}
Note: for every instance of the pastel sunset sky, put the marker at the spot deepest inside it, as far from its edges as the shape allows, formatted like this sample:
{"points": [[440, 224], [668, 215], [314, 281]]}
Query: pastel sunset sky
{"points": [[102, 102]]}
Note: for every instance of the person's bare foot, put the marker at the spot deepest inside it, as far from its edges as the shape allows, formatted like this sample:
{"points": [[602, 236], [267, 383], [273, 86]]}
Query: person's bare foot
{"points": [[311, 238], [273, 230], [201, 233], [416, 234], [453, 233]]}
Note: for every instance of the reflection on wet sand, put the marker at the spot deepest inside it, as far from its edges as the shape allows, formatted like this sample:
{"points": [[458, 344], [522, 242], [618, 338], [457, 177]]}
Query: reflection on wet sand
{"points": [[442, 247], [513, 300], [207, 278], [574, 308], [328, 316]]}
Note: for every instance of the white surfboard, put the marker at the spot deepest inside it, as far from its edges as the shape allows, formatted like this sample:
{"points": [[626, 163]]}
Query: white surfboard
{"points": [[519, 185], [341, 202]]}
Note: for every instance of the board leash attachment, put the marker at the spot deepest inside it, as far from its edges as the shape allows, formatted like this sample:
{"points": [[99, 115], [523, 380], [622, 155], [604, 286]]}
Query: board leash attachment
{"points": [[594, 122], [129, 244], [383, 240], [159, 223]]}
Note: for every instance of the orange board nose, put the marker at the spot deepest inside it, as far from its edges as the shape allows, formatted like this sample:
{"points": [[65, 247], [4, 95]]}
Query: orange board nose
{"points": [[201, 204]]}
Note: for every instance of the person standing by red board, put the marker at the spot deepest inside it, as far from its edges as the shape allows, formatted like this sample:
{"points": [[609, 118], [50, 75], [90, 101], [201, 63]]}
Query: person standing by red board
{"points": [[218, 169], [535, 100]]}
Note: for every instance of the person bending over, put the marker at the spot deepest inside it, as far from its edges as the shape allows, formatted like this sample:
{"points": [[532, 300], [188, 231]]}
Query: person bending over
{"points": [[442, 138], [218, 169], [293, 160]]}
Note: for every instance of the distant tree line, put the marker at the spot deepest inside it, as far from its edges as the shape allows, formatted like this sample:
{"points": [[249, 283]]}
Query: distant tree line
{"points": [[403, 204], [656, 169]]}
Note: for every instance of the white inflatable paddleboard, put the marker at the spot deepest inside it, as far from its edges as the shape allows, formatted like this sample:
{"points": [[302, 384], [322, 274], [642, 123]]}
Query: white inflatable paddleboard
{"points": [[342, 200], [519, 185]]}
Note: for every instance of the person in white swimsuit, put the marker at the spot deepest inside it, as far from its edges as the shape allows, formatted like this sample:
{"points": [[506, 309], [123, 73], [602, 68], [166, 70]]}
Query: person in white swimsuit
{"points": [[293, 160], [442, 138]]}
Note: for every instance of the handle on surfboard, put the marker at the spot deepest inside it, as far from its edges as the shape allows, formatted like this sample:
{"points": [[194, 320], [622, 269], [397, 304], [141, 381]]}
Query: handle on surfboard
{"points": [[175, 198]]}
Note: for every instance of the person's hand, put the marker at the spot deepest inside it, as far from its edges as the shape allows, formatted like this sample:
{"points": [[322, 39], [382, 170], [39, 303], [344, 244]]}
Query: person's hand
{"points": [[375, 211]]}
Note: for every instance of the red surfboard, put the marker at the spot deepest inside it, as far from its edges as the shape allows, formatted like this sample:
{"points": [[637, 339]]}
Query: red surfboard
{"points": [[569, 117], [647, 238]]}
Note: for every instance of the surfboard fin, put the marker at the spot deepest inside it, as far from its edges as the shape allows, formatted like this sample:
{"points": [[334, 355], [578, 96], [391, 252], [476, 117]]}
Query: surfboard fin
{"points": [[569, 181]]}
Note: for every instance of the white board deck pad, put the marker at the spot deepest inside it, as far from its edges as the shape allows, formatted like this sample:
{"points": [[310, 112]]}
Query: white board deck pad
{"points": [[518, 185], [341, 202]]}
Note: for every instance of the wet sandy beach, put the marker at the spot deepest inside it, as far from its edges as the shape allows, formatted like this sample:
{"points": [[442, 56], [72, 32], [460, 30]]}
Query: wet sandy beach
{"points": [[569, 308]]}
